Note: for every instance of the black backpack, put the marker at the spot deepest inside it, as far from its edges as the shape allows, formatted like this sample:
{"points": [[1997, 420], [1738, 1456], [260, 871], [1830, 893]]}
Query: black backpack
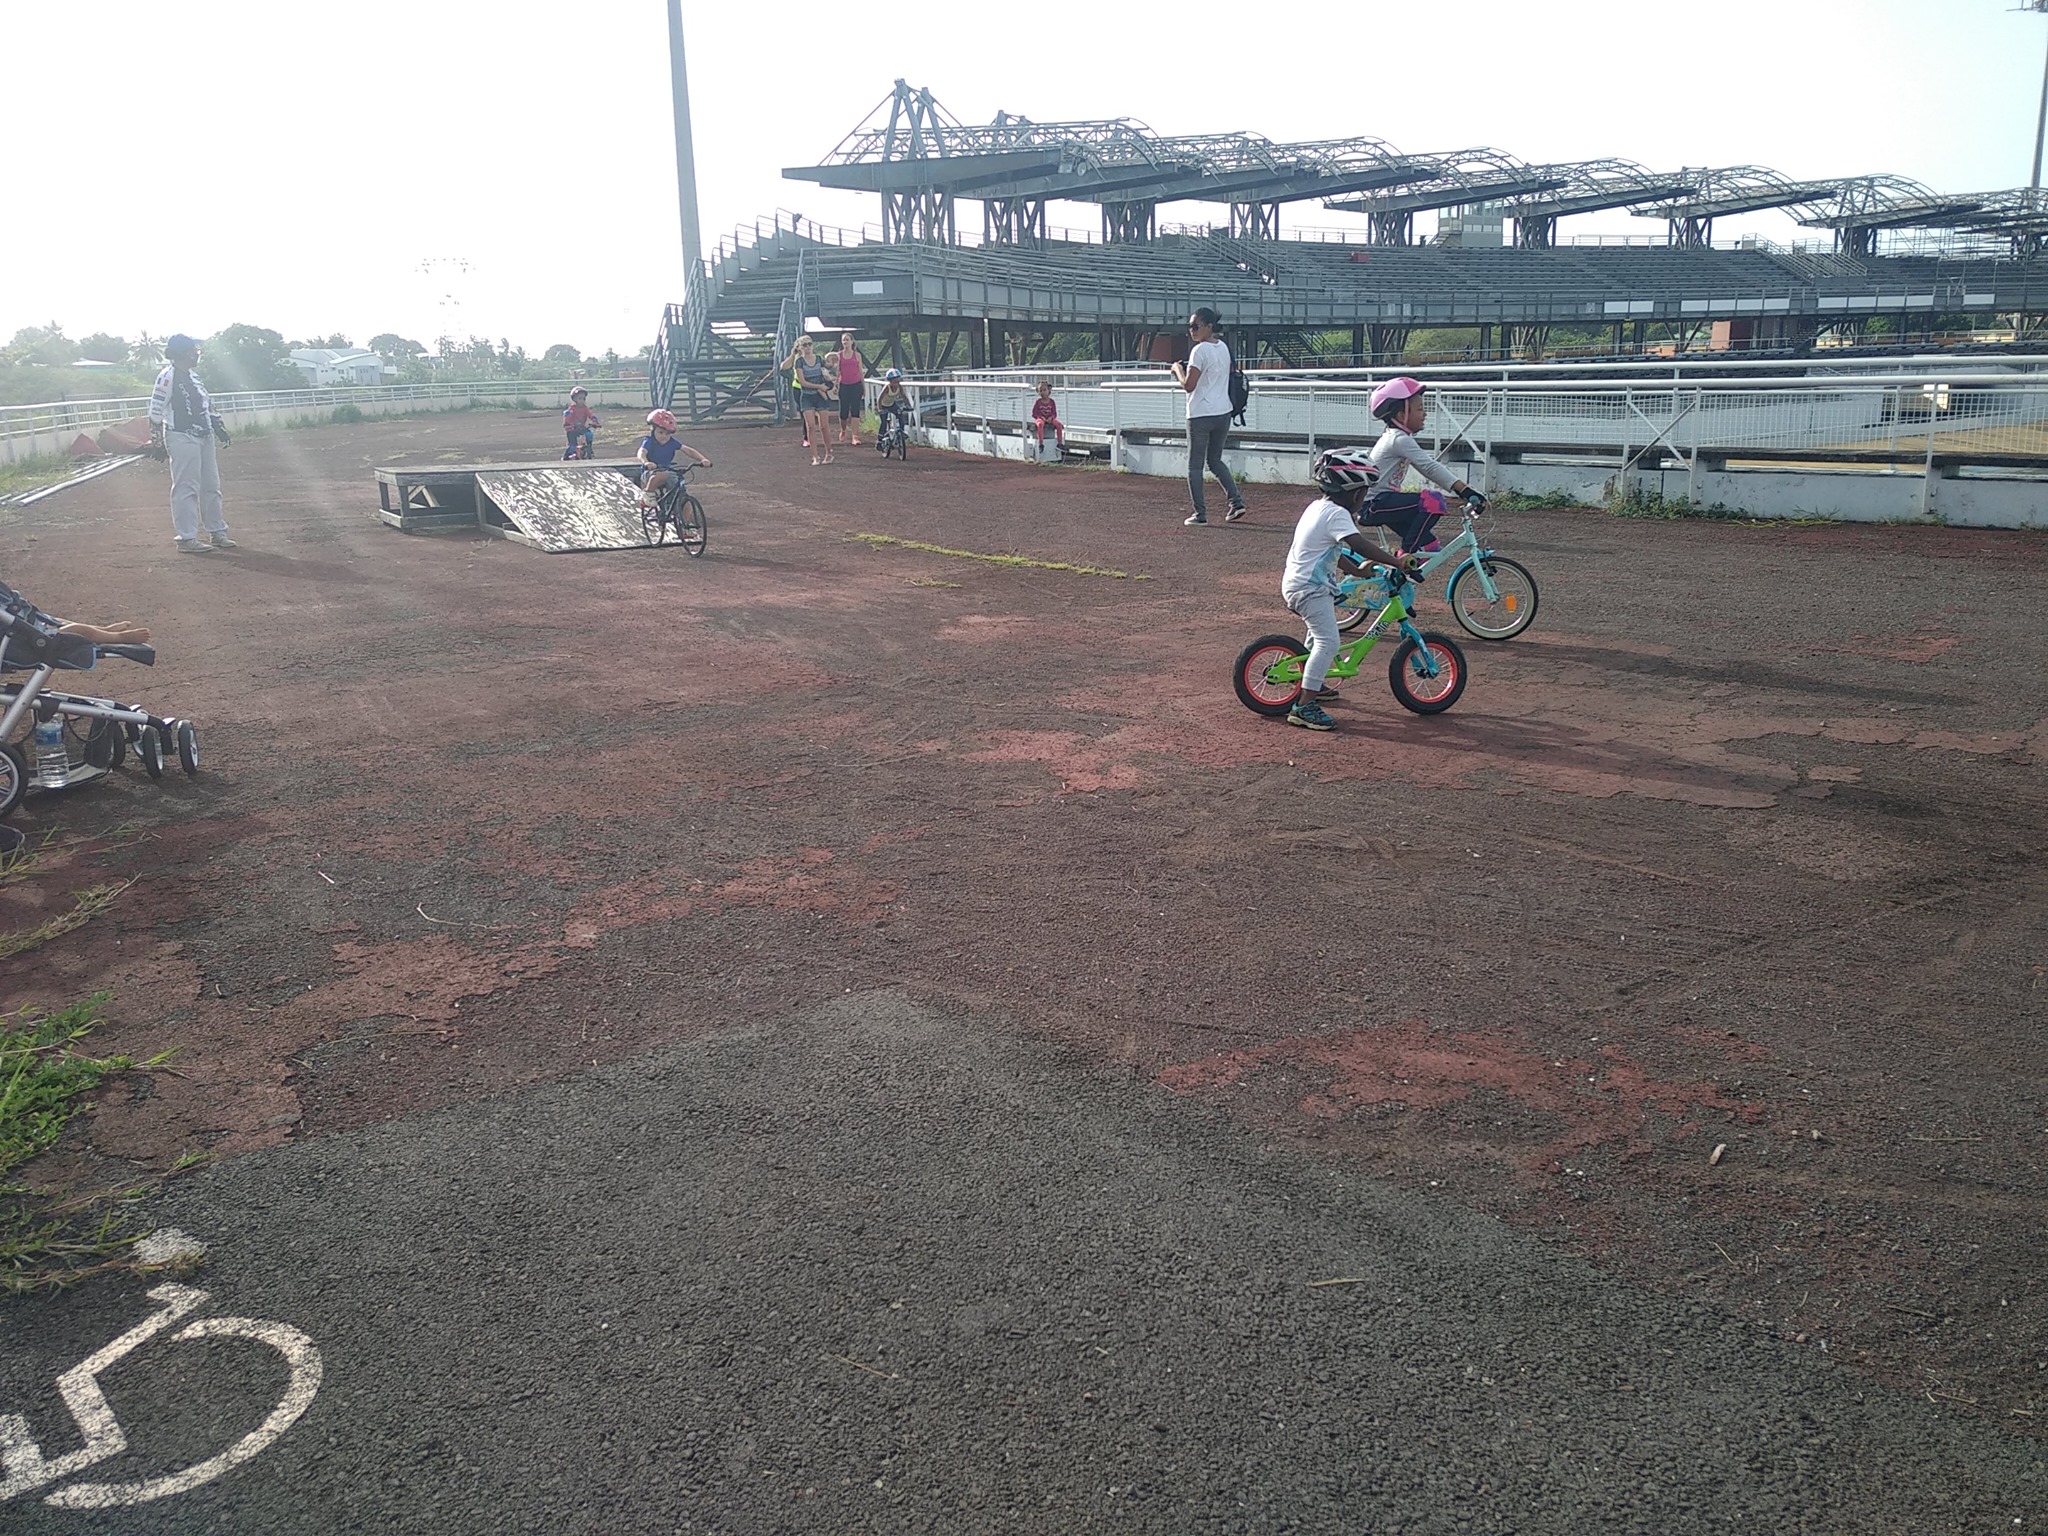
{"points": [[1240, 391]]}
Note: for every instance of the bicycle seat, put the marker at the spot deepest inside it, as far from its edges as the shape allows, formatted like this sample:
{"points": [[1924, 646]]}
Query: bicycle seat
{"points": [[146, 654]]}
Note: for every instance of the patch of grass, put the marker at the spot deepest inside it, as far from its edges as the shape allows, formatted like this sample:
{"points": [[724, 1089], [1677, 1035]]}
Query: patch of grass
{"points": [[1638, 502], [35, 472], [884, 541], [44, 1078], [346, 415], [88, 905], [1545, 501]]}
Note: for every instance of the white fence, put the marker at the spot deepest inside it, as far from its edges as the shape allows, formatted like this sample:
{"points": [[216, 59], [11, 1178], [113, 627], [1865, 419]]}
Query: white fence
{"points": [[49, 428], [1963, 446]]}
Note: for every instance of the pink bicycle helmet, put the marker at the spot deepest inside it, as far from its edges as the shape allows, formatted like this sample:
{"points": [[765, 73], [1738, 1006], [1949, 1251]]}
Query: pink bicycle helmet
{"points": [[1340, 470], [1392, 394], [666, 420]]}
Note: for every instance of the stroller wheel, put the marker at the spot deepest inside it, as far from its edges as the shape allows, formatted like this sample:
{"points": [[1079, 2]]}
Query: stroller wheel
{"points": [[149, 746], [13, 778], [188, 747]]}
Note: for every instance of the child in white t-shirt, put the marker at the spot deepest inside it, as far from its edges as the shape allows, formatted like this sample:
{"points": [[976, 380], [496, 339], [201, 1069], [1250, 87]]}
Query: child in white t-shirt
{"points": [[1308, 585]]}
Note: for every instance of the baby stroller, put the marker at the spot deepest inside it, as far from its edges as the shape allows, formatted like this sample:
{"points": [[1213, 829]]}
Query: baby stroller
{"points": [[93, 734]]}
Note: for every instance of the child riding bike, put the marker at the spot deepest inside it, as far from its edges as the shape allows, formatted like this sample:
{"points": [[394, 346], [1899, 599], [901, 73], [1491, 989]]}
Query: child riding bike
{"points": [[1308, 585], [580, 422], [1411, 514], [891, 405], [658, 450]]}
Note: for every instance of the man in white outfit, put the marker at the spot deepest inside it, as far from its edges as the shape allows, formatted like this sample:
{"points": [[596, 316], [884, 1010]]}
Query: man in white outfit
{"points": [[183, 429]]}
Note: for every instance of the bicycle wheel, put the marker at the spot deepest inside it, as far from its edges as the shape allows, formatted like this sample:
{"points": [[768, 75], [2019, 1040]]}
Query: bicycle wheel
{"points": [[1259, 691], [902, 445], [1500, 618], [692, 532], [1414, 688], [652, 520], [1350, 618]]}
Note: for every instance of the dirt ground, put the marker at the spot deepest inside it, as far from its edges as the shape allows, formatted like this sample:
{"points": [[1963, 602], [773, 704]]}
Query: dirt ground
{"points": [[1742, 844]]}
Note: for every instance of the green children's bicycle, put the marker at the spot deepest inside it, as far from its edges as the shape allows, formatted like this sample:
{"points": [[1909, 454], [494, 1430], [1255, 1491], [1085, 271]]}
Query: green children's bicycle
{"points": [[1427, 672]]}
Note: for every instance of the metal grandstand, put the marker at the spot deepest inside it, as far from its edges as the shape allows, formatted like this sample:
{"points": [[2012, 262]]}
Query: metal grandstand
{"points": [[929, 294]]}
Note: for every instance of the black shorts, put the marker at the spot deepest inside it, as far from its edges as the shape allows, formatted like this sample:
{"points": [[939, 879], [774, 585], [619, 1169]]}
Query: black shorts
{"points": [[810, 400], [852, 402]]}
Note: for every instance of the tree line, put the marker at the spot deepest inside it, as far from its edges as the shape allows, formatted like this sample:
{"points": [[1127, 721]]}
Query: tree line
{"points": [[40, 362]]}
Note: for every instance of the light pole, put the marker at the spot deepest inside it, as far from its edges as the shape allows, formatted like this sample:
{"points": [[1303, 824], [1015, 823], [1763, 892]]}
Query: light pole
{"points": [[686, 159], [2039, 7]]}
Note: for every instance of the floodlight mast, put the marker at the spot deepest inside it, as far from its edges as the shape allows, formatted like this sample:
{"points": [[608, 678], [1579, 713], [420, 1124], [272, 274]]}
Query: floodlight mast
{"points": [[686, 159], [2039, 7]]}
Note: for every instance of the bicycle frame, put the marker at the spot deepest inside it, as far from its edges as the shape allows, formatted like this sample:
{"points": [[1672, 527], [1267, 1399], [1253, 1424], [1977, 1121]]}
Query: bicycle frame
{"points": [[1466, 550], [1397, 614]]}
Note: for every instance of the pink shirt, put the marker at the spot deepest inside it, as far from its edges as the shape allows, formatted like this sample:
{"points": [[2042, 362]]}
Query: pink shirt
{"points": [[850, 370]]}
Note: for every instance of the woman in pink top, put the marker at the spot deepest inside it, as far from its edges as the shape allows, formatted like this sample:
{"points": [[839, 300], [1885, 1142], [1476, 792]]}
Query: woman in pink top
{"points": [[853, 399]]}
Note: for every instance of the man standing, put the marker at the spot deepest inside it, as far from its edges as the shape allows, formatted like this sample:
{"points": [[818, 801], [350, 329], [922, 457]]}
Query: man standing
{"points": [[1206, 378], [183, 429]]}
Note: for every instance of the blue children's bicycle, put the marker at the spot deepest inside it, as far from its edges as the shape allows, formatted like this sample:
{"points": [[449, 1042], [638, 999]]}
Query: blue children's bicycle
{"points": [[1491, 596]]}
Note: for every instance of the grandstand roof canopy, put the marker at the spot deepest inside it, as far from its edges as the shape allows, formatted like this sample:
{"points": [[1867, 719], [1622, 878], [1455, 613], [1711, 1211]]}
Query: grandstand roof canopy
{"points": [[910, 146]]}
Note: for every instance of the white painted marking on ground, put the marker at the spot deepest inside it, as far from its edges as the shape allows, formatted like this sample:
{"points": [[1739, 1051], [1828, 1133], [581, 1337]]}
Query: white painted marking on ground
{"points": [[299, 1352], [22, 1459], [23, 1466]]}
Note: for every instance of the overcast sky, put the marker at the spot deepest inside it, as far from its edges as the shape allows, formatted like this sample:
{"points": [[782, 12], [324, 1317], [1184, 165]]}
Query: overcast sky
{"points": [[506, 168]]}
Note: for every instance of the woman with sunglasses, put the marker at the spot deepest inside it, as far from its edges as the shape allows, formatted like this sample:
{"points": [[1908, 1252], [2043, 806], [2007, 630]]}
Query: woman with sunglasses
{"points": [[1206, 378]]}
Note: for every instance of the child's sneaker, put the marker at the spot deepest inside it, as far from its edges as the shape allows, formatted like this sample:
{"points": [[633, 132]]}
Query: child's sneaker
{"points": [[1311, 716], [1322, 695]]}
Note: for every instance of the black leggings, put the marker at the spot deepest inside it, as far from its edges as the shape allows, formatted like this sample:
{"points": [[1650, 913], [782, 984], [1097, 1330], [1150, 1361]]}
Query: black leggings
{"points": [[1411, 514]]}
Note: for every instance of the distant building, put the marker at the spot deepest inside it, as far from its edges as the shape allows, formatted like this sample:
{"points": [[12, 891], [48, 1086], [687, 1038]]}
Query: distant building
{"points": [[324, 366]]}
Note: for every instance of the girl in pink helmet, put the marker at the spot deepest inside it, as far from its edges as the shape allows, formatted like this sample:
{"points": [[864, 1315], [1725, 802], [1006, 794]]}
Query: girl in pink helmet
{"points": [[1399, 404]]}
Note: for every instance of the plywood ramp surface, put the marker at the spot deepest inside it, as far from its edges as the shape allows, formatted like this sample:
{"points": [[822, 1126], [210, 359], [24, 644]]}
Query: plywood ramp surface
{"points": [[566, 509]]}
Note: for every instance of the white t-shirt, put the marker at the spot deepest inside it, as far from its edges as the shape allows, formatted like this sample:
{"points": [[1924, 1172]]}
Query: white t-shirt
{"points": [[1312, 558], [1396, 453], [1211, 394]]}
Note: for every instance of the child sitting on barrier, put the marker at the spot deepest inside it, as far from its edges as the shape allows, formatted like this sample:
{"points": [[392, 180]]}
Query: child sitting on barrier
{"points": [[1327, 530], [658, 450], [1411, 514], [580, 422], [1045, 415]]}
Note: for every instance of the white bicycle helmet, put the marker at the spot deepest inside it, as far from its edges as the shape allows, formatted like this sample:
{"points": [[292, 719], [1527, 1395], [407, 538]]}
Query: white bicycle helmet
{"points": [[1341, 470]]}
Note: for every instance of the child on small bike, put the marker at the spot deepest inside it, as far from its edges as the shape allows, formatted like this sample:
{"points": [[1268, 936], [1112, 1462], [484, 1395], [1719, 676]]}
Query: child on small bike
{"points": [[1045, 417], [580, 422], [658, 450], [893, 403], [1411, 514], [1308, 585]]}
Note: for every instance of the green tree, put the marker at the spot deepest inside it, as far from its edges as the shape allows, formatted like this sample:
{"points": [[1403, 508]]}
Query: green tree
{"points": [[394, 348], [45, 344], [147, 352], [562, 352], [249, 357], [102, 348]]}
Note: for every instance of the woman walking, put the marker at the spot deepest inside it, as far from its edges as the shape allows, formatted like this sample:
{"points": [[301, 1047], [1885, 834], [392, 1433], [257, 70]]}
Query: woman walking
{"points": [[853, 398], [1206, 378], [814, 390]]}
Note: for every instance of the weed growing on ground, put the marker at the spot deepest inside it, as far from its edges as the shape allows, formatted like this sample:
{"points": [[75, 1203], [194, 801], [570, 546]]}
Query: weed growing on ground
{"points": [[88, 905], [1526, 501], [52, 1241], [1636, 501], [884, 541], [346, 415]]}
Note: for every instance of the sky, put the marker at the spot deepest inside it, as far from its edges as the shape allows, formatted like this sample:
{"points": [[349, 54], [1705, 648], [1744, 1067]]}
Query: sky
{"points": [[506, 169]]}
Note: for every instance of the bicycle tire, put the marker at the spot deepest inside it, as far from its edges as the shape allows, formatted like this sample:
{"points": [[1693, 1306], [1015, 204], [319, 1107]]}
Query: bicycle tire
{"points": [[692, 531], [1427, 695], [13, 778], [902, 446], [1515, 611], [652, 521], [1256, 691]]}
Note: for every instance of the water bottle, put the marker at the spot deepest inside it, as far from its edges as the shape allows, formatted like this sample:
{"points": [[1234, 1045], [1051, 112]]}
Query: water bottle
{"points": [[53, 765]]}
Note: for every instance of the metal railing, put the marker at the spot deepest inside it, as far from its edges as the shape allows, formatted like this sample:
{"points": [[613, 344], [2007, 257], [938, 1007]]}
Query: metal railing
{"points": [[87, 415]]}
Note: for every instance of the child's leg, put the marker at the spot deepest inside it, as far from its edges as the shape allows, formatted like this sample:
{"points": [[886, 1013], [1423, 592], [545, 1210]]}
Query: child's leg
{"points": [[1318, 611], [1402, 511]]}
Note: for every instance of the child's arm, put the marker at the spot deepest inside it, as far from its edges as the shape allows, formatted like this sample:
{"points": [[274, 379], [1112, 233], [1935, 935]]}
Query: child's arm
{"points": [[1363, 550], [702, 462]]}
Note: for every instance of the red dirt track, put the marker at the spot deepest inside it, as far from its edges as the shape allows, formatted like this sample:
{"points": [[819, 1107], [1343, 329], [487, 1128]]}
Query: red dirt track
{"points": [[1742, 843]]}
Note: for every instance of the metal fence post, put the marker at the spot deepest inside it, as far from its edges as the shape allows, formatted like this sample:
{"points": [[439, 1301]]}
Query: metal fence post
{"points": [[1927, 503]]}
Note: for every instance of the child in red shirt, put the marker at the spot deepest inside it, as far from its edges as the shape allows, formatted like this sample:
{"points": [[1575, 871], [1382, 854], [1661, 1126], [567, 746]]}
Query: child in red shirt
{"points": [[1046, 416], [580, 421]]}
